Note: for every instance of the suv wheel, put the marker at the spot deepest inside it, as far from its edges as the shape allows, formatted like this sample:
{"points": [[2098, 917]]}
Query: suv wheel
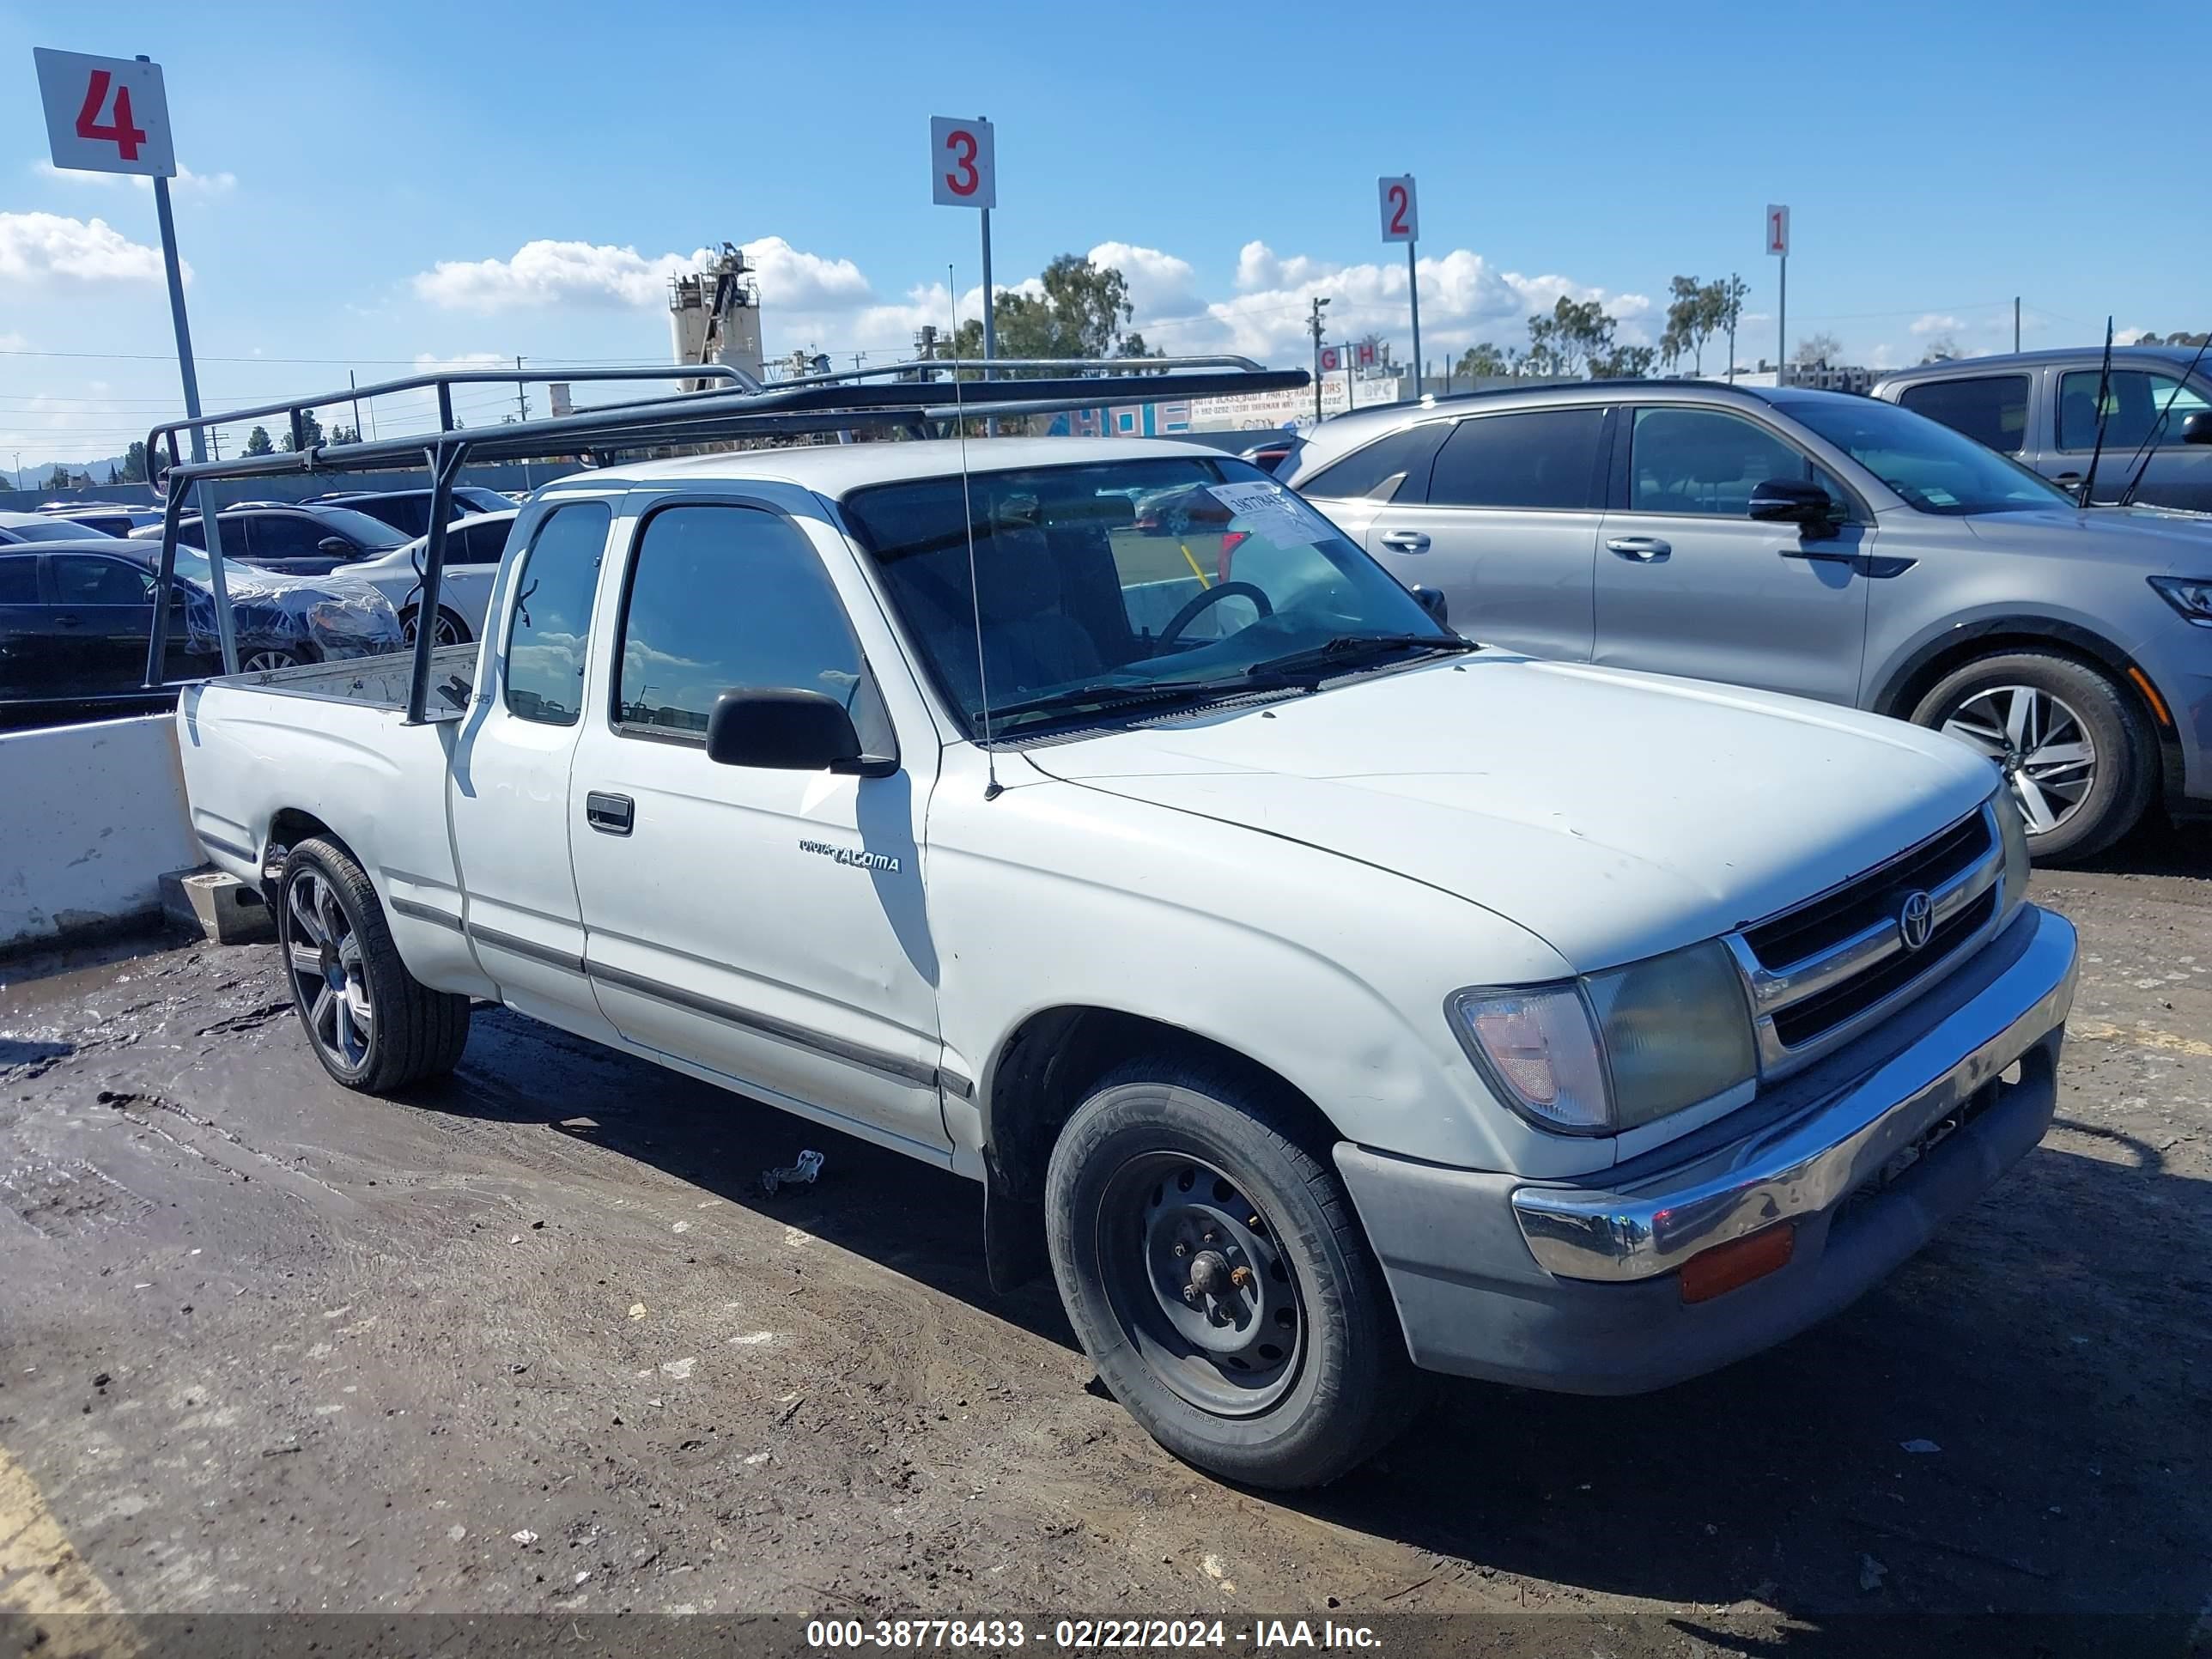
{"points": [[1219, 1281], [2077, 754]]}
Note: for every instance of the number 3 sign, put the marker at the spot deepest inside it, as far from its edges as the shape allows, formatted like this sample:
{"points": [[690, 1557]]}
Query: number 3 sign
{"points": [[105, 114], [963, 166]]}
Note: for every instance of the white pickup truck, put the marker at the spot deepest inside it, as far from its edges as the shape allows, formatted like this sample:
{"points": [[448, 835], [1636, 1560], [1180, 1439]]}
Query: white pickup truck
{"points": [[1325, 997]]}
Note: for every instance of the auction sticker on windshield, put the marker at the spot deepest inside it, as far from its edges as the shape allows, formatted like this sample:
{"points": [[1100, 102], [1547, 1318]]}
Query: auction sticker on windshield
{"points": [[1271, 511]]}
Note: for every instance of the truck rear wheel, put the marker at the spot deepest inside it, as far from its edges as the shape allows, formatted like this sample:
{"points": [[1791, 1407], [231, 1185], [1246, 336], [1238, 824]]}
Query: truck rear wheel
{"points": [[2080, 760], [373, 1025], [1218, 1278]]}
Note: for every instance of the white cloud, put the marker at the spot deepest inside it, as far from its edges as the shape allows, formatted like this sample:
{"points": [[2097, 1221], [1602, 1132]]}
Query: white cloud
{"points": [[1160, 284], [186, 182], [1936, 322], [40, 248], [1884, 356], [548, 272]]}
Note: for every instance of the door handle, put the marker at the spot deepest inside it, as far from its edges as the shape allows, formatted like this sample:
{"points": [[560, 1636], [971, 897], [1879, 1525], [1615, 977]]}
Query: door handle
{"points": [[1406, 541], [68, 622], [2066, 478], [611, 815], [1644, 550], [1834, 554]]}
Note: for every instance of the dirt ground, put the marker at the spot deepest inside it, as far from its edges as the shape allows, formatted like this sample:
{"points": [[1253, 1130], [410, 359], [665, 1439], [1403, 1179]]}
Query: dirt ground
{"points": [[535, 1340]]}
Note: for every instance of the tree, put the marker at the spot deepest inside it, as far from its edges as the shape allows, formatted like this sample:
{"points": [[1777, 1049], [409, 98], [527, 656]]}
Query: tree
{"points": [[1563, 344], [134, 464], [2178, 338], [59, 478], [1486, 361], [1728, 297], [345, 435], [1817, 350], [1941, 349], [257, 441], [1692, 317], [1081, 313], [1625, 363]]}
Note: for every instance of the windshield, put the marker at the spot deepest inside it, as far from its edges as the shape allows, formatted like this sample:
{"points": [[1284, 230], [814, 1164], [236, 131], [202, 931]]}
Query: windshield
{"points": [[1931, 466], [1140, 581], [360, 527], [54, 530]]}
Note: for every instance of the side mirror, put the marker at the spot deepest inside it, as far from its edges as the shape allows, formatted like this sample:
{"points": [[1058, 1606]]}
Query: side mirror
{"points": [[1432, 600], [2197, 427], [1793, 500], [337, 547], [790, 730]]}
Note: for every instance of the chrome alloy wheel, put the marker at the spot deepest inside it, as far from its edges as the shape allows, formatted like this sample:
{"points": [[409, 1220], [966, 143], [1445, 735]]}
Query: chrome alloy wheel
{"points": [[323, 953], [2049, 759], [444, 631], [261, 662]]}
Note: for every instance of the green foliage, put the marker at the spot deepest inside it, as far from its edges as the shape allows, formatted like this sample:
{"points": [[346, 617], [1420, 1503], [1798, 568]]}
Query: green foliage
{"points": [[1563, 346], [1696, 313], [1486, 362], [311, 432], [257, 441], [134, 464], [1082, 312]]}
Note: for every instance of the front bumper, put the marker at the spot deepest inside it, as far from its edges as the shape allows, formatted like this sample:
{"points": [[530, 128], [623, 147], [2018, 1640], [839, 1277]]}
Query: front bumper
{"points": [[1575, 1287]]}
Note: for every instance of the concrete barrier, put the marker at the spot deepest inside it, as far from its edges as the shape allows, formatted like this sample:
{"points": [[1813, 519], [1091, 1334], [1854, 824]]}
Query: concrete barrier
{"points": [[92, 816]]}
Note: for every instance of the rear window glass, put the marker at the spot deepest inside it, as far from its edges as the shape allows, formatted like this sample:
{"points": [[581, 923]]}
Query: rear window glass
{"points": [[1990, 408], [554, 590], [1545, 457], [1379, 470], [19, 581]]}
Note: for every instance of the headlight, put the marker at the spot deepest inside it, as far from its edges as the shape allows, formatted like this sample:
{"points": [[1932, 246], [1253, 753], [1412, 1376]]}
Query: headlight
{"points": [[2191, 595], [349, 619], [1611, 1051]]}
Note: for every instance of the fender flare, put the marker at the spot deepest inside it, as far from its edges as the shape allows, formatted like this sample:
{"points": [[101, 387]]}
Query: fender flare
{"points": [[1902, 674]]}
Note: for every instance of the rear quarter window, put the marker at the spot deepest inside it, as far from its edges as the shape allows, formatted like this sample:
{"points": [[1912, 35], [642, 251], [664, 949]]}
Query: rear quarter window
{"points": [[1380, 471], [1990, 408]]}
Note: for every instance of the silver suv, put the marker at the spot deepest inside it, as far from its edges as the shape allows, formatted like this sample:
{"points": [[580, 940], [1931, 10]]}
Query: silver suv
{"points": [[1815, 543]]}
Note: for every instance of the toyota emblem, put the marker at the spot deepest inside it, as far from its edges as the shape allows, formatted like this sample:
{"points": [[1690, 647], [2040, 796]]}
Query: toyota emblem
{"points": [[1916, 919]]}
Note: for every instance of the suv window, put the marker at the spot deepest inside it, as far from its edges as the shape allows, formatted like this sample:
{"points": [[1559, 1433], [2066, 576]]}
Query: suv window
{"points": [[275, 535], [19, 581], [1379, 470], [1542, 458], [1990, 408], [1703, 461], [2133, 403], [553, 614], [480, 543], [87, 579], [724, 597]]}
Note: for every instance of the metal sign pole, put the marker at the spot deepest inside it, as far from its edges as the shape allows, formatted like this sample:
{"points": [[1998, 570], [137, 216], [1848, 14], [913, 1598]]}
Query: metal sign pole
{"points": [[1413, 293], [175, 271], [990, 315], [1782, 329], [210, 498]]}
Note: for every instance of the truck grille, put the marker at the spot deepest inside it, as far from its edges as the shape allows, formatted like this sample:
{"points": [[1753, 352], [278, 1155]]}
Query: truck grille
{"points": [[1819, 972]]}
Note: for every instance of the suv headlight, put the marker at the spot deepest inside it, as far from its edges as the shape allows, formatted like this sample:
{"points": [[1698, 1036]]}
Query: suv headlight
{"points": [[1611, 1051], [2191, 597]]}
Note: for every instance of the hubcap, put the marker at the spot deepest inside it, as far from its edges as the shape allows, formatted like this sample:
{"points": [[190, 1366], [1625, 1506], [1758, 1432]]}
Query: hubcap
{"points": [[2049, 759], [262, 661], [1199, 1285], [324, 956]]}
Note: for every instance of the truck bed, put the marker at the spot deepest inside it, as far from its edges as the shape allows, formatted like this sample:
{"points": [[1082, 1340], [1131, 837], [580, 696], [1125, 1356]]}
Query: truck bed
{"points": [[379, 681]]}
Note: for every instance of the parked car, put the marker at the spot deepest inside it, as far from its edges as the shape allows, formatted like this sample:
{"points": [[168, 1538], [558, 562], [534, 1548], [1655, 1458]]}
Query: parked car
{"points": [[2041, 407], [300, 539], [40, 527], [1319, 997], [1816, 542], [75, 616], [408, 510], [102, 518], [473, 545]]}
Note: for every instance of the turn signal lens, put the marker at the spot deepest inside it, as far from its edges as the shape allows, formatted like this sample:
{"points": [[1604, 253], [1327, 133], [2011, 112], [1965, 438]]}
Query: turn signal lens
{"points": [[1539, 1046], [1728, 1267]]}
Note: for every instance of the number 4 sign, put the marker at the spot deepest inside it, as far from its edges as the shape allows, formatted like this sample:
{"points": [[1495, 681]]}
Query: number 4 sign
{"points": [[963, 163], [105, 114], [1402, 214]]}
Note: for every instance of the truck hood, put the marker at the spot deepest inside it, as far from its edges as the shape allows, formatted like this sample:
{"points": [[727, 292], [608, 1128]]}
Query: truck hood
{"points": [[1614, 814], [2159, 540]]}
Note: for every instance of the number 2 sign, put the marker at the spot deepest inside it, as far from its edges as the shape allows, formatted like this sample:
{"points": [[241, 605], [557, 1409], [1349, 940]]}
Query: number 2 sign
{"points": [[1401, 213], [105, 114], [963, 165]]}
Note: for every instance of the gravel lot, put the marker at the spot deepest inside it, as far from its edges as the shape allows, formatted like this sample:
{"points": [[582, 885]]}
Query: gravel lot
{"points": [[535, 1340]]}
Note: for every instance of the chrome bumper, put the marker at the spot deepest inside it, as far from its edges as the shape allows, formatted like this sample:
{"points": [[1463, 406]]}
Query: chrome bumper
{"points": [[1821, 1154]]}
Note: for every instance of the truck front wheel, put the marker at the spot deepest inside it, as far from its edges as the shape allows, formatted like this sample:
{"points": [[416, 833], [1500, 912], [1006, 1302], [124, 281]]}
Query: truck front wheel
{"points": [[1215, 1272], [375, 1026]]}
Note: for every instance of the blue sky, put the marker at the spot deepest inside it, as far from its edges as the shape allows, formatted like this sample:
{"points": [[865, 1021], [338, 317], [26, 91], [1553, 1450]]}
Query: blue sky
{"points": [[379, 184]]}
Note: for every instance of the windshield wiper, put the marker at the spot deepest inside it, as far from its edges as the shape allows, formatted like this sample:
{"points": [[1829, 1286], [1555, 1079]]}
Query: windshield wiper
{"points": [[1108, 694], [1345, 649]]}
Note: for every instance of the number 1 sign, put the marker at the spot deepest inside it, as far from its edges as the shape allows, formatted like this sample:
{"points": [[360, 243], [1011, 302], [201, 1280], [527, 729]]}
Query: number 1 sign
{"points": [[1777, 229], [105, 114]]}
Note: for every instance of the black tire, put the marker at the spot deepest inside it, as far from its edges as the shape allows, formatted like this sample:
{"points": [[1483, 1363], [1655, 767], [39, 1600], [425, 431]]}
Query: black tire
{"points": [[327, 909], [1343, 1385], [2125, 775]]}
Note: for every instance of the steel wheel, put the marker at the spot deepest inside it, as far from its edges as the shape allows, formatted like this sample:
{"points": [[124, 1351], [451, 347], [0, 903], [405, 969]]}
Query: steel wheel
{"points": [[2049, 758], [261, 662], [1198, 1285], [323, 952]]}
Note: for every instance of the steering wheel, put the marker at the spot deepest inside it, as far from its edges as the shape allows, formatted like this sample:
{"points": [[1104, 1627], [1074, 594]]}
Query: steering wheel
{"points": [[1199, 603]]}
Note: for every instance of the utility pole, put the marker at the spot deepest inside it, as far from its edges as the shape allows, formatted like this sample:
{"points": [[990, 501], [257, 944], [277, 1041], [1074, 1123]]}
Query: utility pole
{"points": [[521, 397], [353, 385], [2016, 322], [1314, 323]]}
